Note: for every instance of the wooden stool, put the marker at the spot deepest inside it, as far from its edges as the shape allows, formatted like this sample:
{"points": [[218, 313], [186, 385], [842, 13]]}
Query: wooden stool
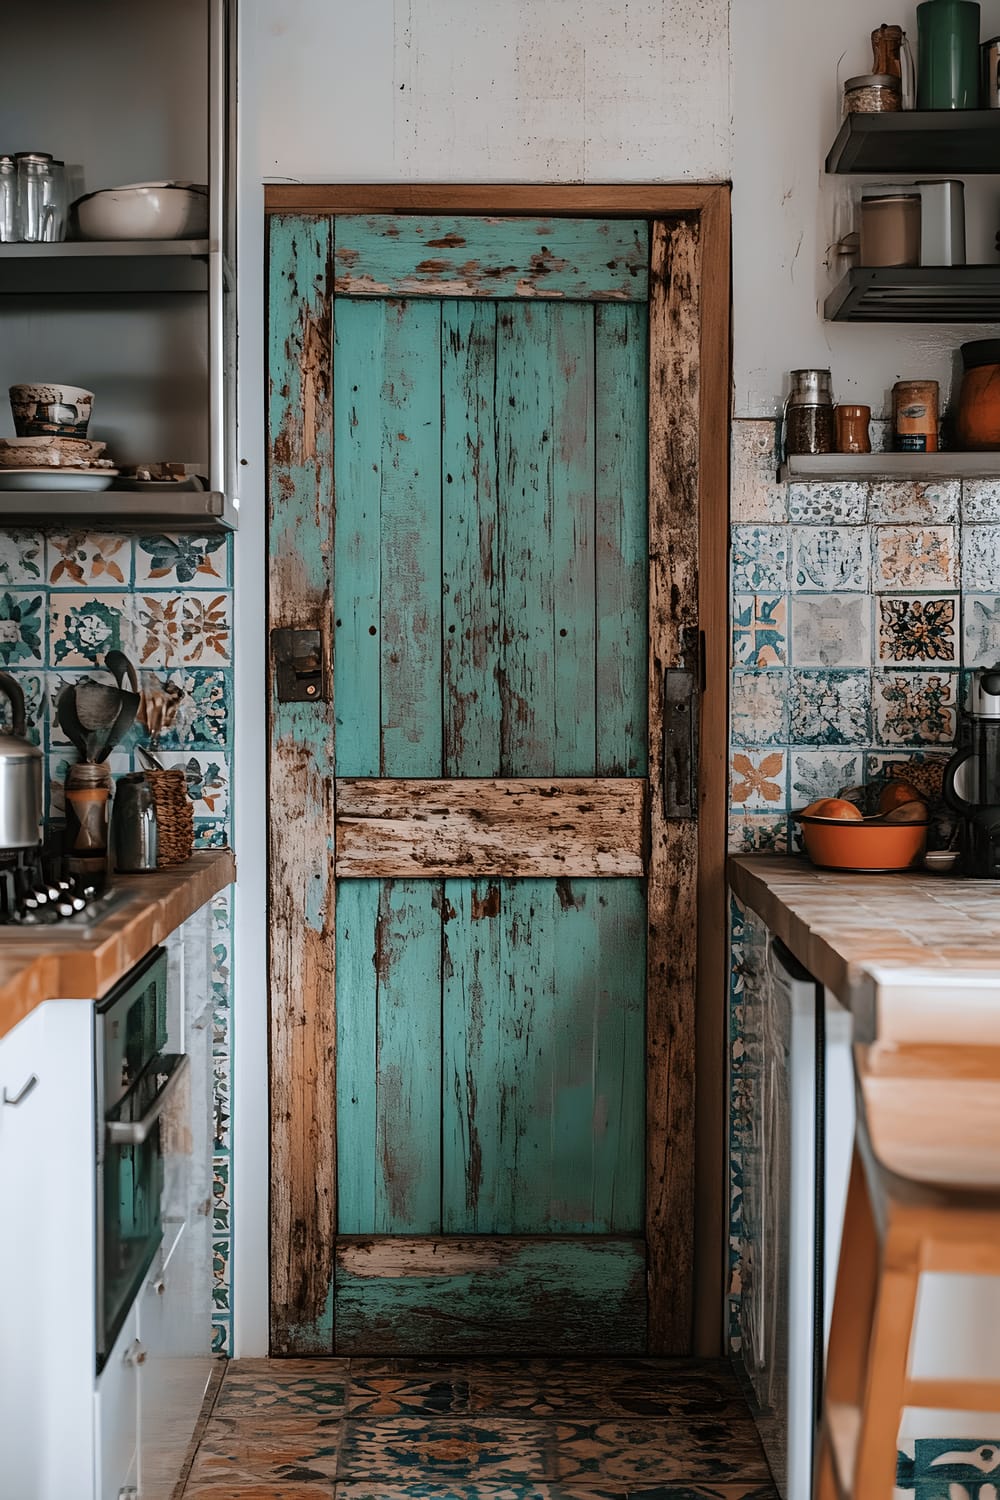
{"points": [[924, 1195]]}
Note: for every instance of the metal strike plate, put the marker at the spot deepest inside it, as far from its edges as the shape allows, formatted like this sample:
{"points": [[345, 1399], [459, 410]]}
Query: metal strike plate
{"points": [[680, 743], [299, 666]]}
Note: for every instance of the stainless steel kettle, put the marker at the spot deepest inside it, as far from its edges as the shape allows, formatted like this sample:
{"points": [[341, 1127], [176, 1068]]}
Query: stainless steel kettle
{"points": [[20, 777]]}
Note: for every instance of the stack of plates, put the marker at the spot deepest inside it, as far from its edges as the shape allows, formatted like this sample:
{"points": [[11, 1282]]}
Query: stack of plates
{"points": [[54, 463]]}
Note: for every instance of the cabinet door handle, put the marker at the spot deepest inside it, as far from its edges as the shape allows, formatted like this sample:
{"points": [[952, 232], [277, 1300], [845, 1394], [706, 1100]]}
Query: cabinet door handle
{"points": [[22, 1094]]}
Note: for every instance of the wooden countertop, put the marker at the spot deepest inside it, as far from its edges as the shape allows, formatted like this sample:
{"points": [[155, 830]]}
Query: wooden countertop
{"points": [[914, 957], [65, 968]]}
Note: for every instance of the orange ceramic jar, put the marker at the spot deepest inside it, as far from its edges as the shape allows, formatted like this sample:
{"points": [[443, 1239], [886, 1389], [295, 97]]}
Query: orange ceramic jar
{"points": [[978, 424]]}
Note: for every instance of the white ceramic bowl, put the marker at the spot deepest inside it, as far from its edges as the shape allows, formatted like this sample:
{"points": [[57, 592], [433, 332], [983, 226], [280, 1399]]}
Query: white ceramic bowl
{"points": [[143, 211], [46, 410]]}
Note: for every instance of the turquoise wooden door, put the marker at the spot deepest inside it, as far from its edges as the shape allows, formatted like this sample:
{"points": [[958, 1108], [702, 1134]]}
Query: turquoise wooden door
{"points": [[487, 562]]}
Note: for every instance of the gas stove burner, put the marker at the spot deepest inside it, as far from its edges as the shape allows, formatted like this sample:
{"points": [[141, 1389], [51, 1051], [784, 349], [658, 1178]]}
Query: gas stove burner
{"points": [[38, 890]]}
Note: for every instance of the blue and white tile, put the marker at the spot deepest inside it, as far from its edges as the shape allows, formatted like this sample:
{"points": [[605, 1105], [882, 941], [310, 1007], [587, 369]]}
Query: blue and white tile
{"points": [[981, 629], [923, 504], [203, 706], [760, 630], [895, 765], [831, 558], [915, 558], [207, 775], [84, 627], [845, 502], [173, 561], [831, 630], [23, 630], [221, 1103], [80, 559], [823, 773], [759, 559], [759, 708], [919, 629], [758, 779], [980, 559], [22, 558], [176, 629], [915, 708], [32, 685], [980, 500], [211, 833], [757, 833], [755, 494], [830, 707], [119, 763]]}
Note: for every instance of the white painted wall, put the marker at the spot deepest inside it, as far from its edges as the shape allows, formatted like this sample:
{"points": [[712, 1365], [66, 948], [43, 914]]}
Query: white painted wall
{"points": [[541, 90]]}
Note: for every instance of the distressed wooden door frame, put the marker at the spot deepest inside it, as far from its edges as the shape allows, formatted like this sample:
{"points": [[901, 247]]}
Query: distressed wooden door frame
{"points": [[689, 359]]}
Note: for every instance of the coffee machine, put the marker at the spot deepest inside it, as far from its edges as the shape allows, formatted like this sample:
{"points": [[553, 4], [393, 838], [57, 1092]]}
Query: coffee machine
{"points": [[972, 779]]}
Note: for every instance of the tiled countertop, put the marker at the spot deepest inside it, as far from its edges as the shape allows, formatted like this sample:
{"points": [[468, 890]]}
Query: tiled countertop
{"points": [[68, 968], [915, 957]]}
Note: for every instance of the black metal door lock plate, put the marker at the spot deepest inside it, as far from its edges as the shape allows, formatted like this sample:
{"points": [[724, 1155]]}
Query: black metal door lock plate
{"points": [[299, 665]]}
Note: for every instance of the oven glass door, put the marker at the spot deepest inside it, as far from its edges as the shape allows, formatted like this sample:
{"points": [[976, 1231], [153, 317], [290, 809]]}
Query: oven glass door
{"points": [[130, 1185]]}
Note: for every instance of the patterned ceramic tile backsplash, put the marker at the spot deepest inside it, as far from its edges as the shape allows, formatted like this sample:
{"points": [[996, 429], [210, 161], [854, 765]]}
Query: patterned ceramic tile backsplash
{"points": [[66, 599]]}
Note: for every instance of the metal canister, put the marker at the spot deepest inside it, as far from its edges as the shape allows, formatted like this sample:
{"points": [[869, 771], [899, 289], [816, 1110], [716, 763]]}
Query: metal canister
{"points": [[134, 829], [915, 416], [989, 54]]}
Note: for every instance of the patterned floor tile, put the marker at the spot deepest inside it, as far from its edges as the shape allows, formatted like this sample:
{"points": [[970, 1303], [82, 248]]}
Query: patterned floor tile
{"points": [[245, 1454], [395, 1395], [656, 1452], [226, 1490], [271, 1392], [414, 1448]]}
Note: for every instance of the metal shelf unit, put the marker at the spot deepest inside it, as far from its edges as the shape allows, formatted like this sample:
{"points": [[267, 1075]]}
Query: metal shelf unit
{"points": [[807, 468], [127, 510], [918, 141], [916, 294]]}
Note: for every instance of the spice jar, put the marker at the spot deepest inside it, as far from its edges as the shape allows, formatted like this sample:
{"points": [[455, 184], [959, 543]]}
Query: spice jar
{"points": [[852, 429], [915, 416], [809, 424], [978, 423], [872, 94]]}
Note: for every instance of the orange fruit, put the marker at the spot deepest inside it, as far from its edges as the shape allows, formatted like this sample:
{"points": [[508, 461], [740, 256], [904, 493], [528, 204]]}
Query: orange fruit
{"points": [[914, 811], [896, 794], [833, 807]]}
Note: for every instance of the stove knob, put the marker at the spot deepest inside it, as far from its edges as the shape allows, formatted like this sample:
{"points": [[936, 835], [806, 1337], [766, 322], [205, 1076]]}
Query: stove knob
{"points": [[65, 908], [78, 903]]}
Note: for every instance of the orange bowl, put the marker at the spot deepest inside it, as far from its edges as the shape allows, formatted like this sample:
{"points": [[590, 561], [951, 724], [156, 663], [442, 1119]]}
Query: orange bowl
{"points": [[836, 844]]}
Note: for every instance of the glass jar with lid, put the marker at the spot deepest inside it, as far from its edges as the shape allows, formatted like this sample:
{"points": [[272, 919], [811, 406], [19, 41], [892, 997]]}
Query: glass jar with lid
{"points": [[34, 188], [8, 200]]}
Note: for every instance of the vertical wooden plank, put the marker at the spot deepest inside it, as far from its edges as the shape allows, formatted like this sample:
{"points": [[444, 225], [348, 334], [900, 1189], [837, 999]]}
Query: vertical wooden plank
{"points": [[524, 413], [358, 365], [303, 1152], [674, 411], [357, 1054], [470, 539], [622, 540], [472, 1028], [410, 630], [571, 358], [407, 1140], [619, 1032], [711, 1184]]}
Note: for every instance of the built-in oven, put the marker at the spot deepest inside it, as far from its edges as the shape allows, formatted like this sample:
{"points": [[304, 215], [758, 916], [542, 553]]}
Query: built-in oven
{"points": [[135, 1081]]}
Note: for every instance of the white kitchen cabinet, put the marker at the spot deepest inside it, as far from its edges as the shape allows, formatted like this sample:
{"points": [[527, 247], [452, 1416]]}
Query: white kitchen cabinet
{"points": [[66, 1432]]}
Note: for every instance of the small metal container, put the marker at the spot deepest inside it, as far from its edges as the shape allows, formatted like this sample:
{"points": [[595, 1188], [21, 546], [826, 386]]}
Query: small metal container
{"points": [[20, 777], [942, 223], [134, 829]]}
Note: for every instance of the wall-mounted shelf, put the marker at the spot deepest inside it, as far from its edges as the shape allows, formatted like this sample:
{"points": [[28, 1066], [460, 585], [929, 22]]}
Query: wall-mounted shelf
{"points": [[86, 266], [126, 510], [965, 141], [917, 294], [807, 468]]}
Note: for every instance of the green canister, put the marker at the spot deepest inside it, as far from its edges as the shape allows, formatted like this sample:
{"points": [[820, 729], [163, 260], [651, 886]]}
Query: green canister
{"points": [[948, 54]]}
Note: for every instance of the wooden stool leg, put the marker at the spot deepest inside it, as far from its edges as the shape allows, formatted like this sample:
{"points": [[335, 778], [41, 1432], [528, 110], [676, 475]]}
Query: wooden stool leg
{"points": [[875, 1468], [854, 1301]]}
